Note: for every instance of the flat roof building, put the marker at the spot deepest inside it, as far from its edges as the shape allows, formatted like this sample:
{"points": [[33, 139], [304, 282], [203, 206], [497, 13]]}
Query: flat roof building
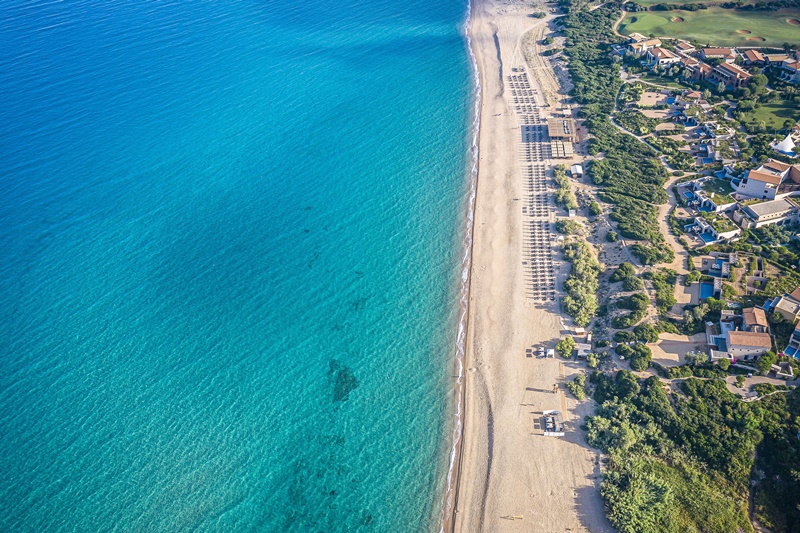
{"points": [[562, 129]]}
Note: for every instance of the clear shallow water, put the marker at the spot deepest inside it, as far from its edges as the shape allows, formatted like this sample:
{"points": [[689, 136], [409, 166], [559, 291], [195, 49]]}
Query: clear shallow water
{"points": [[229, 247]]}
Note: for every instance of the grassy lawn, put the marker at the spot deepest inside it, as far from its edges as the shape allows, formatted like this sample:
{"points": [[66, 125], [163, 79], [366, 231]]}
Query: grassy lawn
{"points": [[661, 80], [722, 190], [719, 222], [774, 114], [718, 26]]}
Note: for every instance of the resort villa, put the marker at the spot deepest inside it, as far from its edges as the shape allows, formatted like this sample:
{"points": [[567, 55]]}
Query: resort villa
{"points": [[780, 211], [730, 74], [699, 71], [728, 55], [639, 44], [790, 71], [685, 47], [786, 305], [709, 194], [793, 349], [770, 180], [713, 227], [754, 319], [754, 58], [660, 57], [738, 345]]}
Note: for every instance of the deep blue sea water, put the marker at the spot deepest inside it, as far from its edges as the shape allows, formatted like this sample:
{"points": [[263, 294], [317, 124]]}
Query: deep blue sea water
{"points": [[230, 236]]}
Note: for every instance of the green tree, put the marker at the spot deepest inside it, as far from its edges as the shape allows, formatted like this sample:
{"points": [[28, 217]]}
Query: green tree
{"points": [[700, 311], [638, 500], [646, 333], [724, 364], [766, 361], [565, 347], [624, 270], [627, 385], [632, 284], [640, 360]]}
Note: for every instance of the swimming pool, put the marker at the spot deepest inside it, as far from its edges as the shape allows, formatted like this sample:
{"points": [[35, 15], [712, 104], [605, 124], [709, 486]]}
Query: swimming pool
{"points": [[707, 237], [706, 290]]}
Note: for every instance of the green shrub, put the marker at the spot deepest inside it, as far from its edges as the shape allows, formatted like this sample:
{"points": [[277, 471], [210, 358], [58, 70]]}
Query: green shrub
{"points": [[568, 227], [646, 333], [581, 284], [623, 271], [565, 347], [632, 284], [578, 387], [624, 336]]}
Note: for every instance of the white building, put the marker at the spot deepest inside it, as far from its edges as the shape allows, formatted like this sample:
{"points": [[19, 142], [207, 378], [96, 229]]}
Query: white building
{"points": [[770, 180], [661, 57], [780, 211], [714, 228], [790, 70], [741, 345], [639, 48]]}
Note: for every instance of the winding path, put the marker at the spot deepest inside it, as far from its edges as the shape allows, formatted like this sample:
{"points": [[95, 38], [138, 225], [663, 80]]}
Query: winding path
{"points": [[680, 262]]}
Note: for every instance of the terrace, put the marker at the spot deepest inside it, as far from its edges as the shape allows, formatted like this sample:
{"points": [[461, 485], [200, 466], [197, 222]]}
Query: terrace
{"points": [[709, 194], [718, 190], [720, 223]]}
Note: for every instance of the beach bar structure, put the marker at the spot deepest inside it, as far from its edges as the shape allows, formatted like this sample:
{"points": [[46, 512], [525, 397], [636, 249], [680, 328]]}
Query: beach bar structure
{"points": [[562, 129], [553, 424], [562, 132], [561, 149]]}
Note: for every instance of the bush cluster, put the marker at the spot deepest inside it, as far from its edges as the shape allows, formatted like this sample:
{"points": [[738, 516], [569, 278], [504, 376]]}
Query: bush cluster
{"points": [[581, 284]]}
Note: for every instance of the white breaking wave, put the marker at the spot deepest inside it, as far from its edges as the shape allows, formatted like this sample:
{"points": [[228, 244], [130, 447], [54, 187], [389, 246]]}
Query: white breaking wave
{"points": [[466, 267]]}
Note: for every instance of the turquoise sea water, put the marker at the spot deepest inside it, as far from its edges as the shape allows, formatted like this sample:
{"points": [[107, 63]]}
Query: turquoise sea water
{"points": [[230, 236]]}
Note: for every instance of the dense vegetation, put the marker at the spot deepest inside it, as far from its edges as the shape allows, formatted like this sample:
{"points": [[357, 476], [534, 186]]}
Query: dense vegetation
{"points": [[663, 281], [684, 463], [581, 285], [635, 122], [680, 465], [777, 495], [637, 305], [638, 355], [564, 195], [629, 171]]}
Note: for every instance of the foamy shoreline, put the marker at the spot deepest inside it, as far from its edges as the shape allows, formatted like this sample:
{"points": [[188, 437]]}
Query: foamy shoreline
{"points": [[454, 465]]}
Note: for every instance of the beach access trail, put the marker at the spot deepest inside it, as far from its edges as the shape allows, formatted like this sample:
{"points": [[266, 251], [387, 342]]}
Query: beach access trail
{"points": [[512, 477]]}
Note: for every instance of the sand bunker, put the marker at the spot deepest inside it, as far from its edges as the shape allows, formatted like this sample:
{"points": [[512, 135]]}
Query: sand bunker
{"points": [[744, 32], [756, 39], [793, 22], [676, 19]]}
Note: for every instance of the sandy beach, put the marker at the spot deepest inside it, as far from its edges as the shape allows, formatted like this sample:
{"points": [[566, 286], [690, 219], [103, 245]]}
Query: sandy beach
{"points": [[512, 477]]}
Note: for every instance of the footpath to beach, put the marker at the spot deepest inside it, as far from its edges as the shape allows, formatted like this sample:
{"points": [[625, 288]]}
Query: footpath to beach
{"points": [[512, 477]]}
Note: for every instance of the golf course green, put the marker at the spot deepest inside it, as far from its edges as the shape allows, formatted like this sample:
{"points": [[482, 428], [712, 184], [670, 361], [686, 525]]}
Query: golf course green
{"points": [[719, 27]]}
